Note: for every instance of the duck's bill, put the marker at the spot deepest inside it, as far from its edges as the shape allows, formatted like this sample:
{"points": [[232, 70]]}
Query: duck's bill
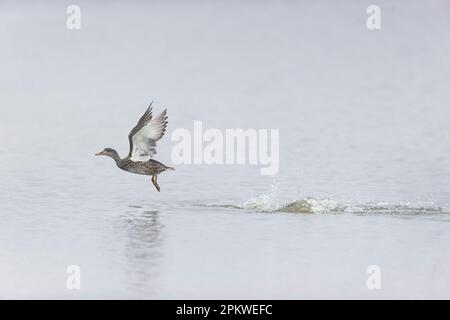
{"points": [[99, 154]]}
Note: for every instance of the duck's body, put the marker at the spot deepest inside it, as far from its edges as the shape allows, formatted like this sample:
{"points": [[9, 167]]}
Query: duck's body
{"points": [[143, 139], [149, 168]]}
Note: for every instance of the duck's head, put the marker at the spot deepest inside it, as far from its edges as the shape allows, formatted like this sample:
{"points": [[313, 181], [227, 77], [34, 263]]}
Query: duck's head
{"points": [[108, 152]]}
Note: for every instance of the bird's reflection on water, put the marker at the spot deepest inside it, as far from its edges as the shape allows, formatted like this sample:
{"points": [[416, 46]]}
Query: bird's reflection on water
{"points": [[142, 249]]}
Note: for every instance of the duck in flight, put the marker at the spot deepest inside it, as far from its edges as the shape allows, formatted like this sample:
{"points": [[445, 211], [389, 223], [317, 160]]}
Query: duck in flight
{"points": [[143, 138]]}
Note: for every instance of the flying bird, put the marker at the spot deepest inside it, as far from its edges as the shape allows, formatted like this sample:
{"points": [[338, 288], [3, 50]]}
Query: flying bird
{"points": [[143, 138]]}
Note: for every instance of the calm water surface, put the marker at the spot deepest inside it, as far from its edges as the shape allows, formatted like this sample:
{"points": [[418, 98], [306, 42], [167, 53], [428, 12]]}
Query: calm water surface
{"points": [[364, 151]]}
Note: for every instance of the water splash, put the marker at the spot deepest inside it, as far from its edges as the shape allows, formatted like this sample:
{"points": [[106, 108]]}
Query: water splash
{"points": [[312, 205], [271, 203], [264, 202]]}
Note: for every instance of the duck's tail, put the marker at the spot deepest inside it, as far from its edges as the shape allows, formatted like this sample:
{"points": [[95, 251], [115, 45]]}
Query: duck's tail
{"points": [[169, 168]]}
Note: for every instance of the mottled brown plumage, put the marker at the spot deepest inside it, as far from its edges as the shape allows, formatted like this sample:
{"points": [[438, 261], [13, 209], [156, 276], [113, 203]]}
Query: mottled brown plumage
{"points": [[143, 138]]}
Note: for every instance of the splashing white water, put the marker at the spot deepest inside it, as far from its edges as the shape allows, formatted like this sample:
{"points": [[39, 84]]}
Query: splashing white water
{"points": [[271, 202], [264, 202], [312, 205]]}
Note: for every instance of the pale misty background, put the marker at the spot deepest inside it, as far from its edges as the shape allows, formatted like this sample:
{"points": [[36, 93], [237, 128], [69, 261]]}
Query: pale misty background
{"points": [[364, 149]]}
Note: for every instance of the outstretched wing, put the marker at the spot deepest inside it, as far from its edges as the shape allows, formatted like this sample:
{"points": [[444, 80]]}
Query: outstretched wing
{"points": [[145, 134], [143, 121]]}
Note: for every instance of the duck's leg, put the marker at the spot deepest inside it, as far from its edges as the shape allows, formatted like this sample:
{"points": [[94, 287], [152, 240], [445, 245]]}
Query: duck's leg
{"points": [[155, 182]]}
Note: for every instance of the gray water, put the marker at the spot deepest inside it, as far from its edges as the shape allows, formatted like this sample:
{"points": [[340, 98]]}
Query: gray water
{"points": [[364, 150]]}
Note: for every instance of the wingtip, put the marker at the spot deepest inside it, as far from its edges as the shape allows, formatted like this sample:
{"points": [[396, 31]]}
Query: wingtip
{"points": [[149, 108], [163, 114]]}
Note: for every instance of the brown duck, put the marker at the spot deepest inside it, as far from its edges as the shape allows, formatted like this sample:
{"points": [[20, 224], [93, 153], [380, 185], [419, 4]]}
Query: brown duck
{"points": [[143, 140]]}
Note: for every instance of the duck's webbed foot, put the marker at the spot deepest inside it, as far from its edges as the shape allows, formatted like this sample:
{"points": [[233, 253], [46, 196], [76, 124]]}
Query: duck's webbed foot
{"points": [[155, 182]]}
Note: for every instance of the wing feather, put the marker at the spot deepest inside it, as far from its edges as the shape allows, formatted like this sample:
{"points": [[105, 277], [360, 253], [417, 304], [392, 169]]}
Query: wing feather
{"points": [[143, 141], [143, 121]]}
